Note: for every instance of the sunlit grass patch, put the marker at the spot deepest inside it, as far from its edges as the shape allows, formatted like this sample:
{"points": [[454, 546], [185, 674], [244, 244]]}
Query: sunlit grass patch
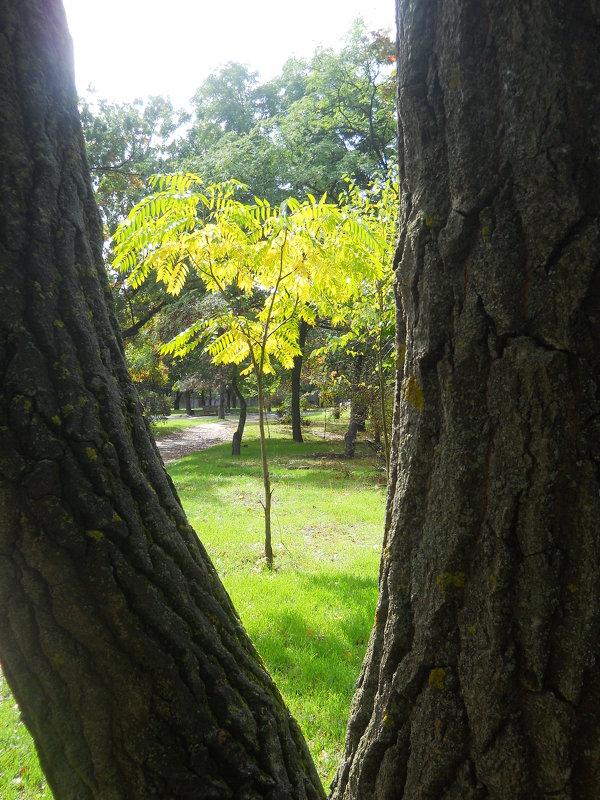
{"points": [[20, 775], [312, 630]]}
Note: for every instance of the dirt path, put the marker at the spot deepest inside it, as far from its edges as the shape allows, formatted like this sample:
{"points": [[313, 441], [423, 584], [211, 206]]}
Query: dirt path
{"points": [[186, 441], [189, 440]]}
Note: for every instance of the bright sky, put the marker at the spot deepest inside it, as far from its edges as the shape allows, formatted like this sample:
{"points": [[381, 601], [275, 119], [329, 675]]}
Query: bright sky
{"points": [[134, 48]]}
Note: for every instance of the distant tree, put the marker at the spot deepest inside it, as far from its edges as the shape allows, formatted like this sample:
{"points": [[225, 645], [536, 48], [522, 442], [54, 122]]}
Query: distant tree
{"points": [[236, 444], [302, 131], [368, 317], [228, 133], [126, 144], [344, 123], [149, 373], [295, 376], [224, 103]]}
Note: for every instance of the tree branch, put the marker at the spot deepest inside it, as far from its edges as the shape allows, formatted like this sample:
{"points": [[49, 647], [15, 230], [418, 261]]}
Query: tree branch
{"points": [[131, 331]]}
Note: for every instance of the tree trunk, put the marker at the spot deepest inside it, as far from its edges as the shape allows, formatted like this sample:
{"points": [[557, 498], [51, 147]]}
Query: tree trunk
{"points": [[236, 446], [176, 401], [350, 439], [358, 409], [483, 669], [222, 391], [296, 373], [265, 470], [130, 665], [187, 399], [374, 415]]}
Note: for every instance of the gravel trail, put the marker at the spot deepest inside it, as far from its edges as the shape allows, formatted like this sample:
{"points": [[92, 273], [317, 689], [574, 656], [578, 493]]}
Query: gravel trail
{"points": [[189, 440]]}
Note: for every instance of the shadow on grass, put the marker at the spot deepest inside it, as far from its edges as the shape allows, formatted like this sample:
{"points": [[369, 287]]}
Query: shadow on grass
{"points": [[208, 471], [312, 463], [293, 644]]}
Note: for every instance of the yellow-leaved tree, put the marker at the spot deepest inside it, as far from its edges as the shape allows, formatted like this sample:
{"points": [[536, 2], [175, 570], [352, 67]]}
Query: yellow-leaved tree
{"points": [[271, 266]]}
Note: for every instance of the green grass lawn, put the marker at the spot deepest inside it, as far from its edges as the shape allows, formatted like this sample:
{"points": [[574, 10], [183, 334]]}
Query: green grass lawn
{"points": [[20, 775], [311, 617]]}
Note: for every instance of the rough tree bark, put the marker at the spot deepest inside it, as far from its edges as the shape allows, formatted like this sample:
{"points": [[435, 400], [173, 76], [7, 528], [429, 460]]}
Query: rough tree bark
{"points": [[296, 373], [482, 678], [131, 667]]}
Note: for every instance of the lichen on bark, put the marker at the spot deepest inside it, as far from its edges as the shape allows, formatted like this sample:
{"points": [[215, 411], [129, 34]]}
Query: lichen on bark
{"points": [[486, 651]]}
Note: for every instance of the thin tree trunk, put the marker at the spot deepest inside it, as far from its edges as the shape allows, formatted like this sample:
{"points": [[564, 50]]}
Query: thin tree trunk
{"points": [[221, 395], [176, 401], [265, 471], [482, 674], [237, 436], [129, 663], [296, 373], [187, 399], [375, 414]]}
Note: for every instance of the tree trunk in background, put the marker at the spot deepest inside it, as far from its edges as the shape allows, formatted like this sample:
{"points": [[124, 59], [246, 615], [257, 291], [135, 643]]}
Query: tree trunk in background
{"points": [[176, 401], [236, 446], [358, 409], [222, 393], [482, 677], [130, 665], [187, 400], [375, 415], [296, 373]]}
